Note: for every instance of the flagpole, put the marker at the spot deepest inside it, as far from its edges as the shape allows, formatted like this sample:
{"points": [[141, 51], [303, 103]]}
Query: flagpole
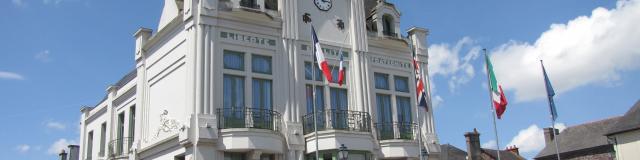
{"points": [[314, 100], [418, 111], [493, 111], [553, 120]]}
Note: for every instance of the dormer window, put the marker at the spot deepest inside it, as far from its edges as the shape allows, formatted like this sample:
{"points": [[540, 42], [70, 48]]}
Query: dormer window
{"points": [[271, 4], [249, 4], [388, 25]]}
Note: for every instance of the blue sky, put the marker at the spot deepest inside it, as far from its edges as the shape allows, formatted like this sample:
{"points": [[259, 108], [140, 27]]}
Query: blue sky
{"points": [[58, 55]]}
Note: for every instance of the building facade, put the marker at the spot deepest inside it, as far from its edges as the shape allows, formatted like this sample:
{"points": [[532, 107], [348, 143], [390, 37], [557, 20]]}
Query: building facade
{"points": [[233, 79], [625, 135]]}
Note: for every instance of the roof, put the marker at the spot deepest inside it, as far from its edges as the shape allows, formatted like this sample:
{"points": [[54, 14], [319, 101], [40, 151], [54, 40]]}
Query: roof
{"points": [[452, 152], [504, 155], [630, 121], [130, 76], [581, 137]]}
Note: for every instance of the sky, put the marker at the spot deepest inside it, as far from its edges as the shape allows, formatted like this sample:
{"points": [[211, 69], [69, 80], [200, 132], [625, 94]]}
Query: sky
{"points": [[58, 55]]}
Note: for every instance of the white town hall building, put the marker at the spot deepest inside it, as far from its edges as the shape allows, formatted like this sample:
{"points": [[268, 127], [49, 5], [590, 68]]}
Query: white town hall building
{"points": [[232, 80]]}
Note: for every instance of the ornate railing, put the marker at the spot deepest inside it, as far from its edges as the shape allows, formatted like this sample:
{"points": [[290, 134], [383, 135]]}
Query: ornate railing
{"points": [[396, 130], [120, 147], [248, 118], [338, 120]]}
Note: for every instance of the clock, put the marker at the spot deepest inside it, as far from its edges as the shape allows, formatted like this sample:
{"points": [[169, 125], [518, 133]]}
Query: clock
{"points": [[323, 5]]}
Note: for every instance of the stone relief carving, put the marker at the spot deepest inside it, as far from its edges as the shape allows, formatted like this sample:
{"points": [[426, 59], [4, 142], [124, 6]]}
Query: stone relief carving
{"points": [[167, 124]]}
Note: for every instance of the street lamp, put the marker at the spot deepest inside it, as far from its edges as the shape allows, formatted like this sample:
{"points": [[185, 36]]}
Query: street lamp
{"points": [[425, 154], [343, 154]]}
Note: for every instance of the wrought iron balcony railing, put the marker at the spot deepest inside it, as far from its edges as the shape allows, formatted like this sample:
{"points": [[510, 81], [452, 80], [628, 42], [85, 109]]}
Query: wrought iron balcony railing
{"points": [[242, 117], [338, 120], [120, 147], [396, 130]]}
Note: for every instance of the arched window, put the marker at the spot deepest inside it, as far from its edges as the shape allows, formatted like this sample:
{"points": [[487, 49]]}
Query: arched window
{"points": [[387, 25]]}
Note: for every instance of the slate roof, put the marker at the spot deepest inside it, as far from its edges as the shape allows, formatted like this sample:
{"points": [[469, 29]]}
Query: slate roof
{"points": [[630, 121], [504, 155], [126, 78], [452, 152], [581, 137]]}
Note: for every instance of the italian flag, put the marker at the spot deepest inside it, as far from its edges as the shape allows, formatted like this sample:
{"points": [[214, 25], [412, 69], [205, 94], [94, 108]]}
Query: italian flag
{"points": [[497, 95]]}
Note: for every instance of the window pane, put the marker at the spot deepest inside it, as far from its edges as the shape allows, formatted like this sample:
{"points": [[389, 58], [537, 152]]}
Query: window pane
{"points": [[384, 108], [404, 109], [335, 71], [233, 91], [233, 60], [261, 64], [308, 72], [382, 80], [271, 4], [262, 94], [402, 84], [339, 99]]}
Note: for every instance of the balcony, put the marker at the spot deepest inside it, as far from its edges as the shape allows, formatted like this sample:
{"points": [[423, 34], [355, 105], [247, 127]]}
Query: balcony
{"points": [[243, 129], [396, 130], [398, 139], [119, 148], [344, 120], [336, 127], [248, 118]]}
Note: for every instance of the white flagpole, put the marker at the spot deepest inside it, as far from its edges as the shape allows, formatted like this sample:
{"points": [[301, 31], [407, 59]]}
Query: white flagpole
{"points": [[493, 111]]}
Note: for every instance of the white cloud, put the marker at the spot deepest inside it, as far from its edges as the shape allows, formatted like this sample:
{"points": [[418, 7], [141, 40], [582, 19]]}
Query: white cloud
{"points": [[23, 148], [445, 60], [54, 2], [437, 101], [492, 144], [19, 3], [10, 75], [43, 56], [60, 145], [587, 50], [531, 139], [56, 125]]}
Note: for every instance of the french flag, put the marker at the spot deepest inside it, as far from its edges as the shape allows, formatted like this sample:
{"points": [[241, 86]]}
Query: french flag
{"points": [[322, 62], [341, 70], [421, 94]]}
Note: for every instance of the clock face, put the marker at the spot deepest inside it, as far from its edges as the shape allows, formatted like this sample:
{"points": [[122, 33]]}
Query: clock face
{"points": [[324, 5]]}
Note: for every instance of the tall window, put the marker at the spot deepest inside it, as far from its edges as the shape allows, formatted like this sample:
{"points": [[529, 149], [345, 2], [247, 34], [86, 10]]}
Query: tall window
{"points": [[319, 100], [233, 91], [132, 124], [401, 83], [262, 94], [382, 81], [103, 137], [339, 99], [403, 107], [120, 134], [385, 118], [234, 156], [89, 145]]}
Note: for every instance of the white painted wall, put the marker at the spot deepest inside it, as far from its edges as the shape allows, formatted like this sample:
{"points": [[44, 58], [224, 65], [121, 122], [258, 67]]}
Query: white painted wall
{"points": [[628, 145]]}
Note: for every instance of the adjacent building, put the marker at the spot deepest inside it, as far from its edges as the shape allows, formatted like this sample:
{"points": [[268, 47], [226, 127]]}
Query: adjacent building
{"points": [[584, 141], [233, 79], [475, 152], [625, 135]]}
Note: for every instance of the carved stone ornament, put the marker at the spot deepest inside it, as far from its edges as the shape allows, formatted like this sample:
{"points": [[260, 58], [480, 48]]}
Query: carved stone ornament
{"points": [[167, 124]]}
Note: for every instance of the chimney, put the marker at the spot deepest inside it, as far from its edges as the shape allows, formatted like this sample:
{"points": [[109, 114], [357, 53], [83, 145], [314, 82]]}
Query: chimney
{"points": [[473, 145], [514, 149], [549, 136], [73, 152], [63, 155]]}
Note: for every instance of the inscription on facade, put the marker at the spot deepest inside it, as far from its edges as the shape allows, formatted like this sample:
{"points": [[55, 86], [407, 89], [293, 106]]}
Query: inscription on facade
{"points": [[248, 39], [327, 51], [389, 62]]}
